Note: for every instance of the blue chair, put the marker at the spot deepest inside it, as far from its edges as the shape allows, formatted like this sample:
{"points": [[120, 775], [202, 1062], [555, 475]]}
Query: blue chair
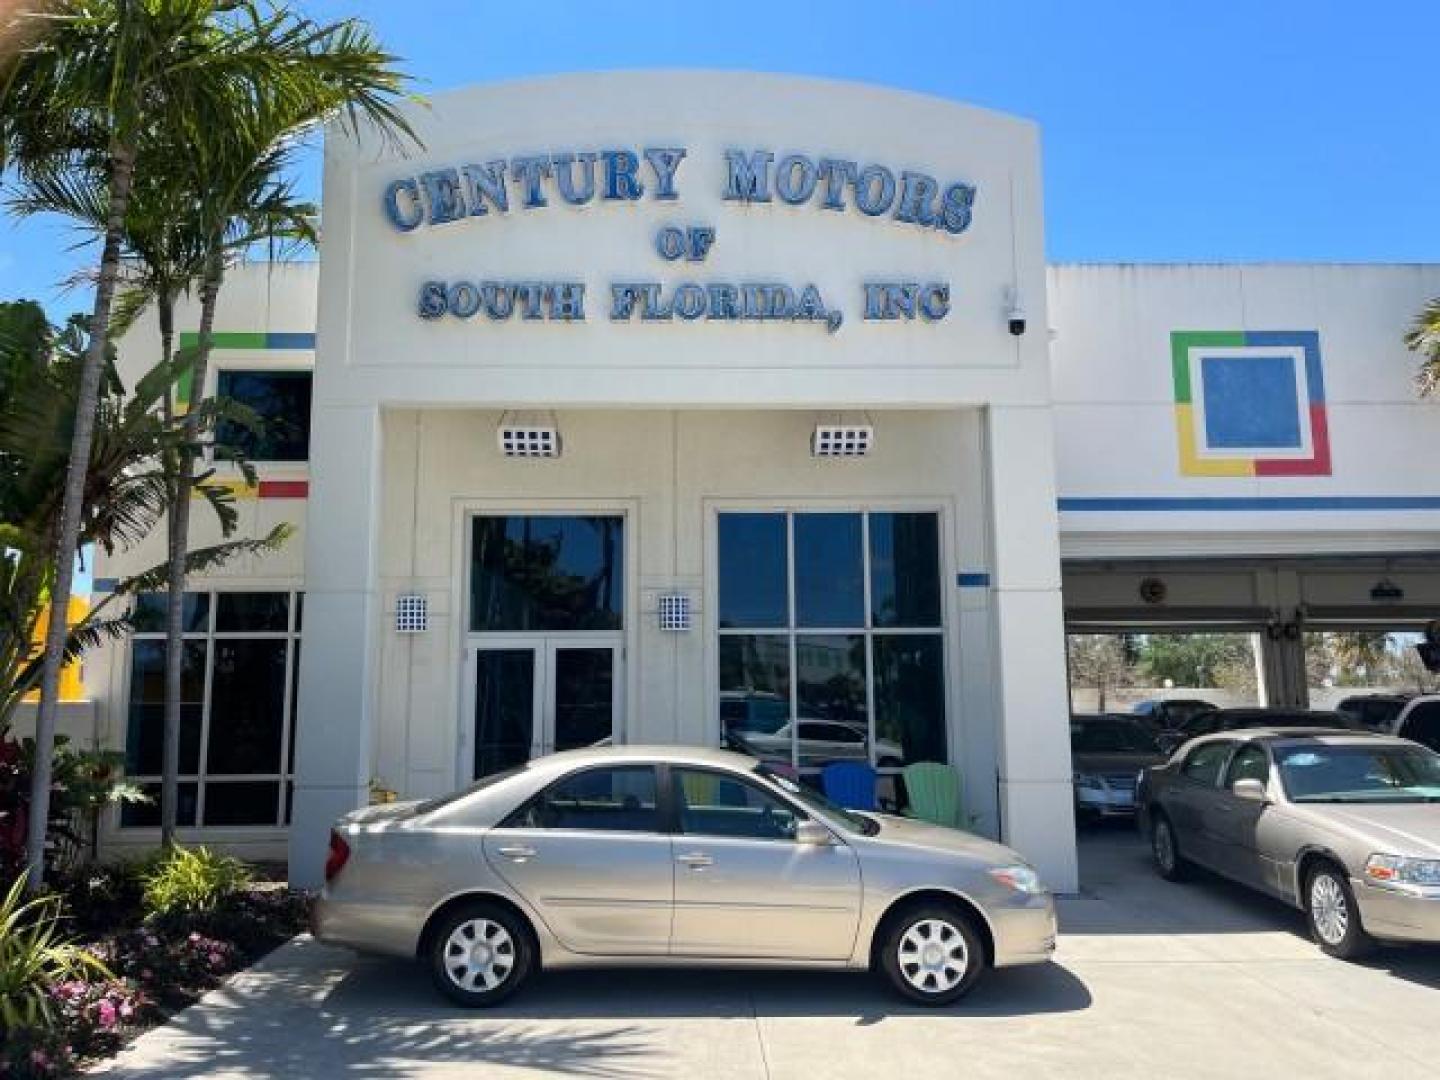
{"points": [[850, 784]]}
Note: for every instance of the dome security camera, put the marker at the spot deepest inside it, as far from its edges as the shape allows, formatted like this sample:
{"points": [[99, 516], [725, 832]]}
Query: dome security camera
{"points": [[1016, 320]]}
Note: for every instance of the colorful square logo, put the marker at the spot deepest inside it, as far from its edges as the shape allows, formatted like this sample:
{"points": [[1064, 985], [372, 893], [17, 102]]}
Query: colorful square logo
{"points": [[1250, 403]]}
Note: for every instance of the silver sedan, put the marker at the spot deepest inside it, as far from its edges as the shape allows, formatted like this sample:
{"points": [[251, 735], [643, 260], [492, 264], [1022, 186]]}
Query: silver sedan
{"points": [[670, 855], [1345, 826]]}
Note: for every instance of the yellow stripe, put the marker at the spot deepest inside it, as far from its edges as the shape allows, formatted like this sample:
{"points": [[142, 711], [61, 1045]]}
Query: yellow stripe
{"points": [[1191, 464], [237, 488]]}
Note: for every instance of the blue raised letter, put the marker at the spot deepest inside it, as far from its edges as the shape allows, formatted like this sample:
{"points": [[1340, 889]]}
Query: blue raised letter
{"points": [[486, 182], [402, 220], [620, 179], [795, 178], [869, 199], [565, 177], [664, 161], [956, 207], [527, 172], [442, 190], [748, 179], [917, 191]]}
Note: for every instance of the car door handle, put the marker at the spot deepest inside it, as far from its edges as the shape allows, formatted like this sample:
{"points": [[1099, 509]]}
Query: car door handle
{"points": [[517, 852], [696, 860]]}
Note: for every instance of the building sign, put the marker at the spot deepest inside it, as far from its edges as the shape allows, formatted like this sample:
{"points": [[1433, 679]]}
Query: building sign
{"points": [[473, 192]]}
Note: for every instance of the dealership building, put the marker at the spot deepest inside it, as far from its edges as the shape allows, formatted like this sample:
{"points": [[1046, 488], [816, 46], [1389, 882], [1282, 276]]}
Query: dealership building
{"points": [[719, 408]]}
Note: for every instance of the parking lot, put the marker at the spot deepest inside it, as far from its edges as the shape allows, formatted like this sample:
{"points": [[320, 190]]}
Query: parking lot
{"points": [[1151, 979]]}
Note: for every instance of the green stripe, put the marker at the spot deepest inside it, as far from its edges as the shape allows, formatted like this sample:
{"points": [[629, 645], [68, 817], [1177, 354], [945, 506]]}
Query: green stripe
{"points": [[229, 340], [1181, 342]]}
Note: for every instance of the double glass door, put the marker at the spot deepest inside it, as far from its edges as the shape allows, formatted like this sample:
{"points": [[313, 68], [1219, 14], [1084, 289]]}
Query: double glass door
{"points": [[536, 694]]}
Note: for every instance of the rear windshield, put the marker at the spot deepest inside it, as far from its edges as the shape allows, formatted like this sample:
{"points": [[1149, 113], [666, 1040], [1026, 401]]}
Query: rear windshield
{"points": [[484, 782]]}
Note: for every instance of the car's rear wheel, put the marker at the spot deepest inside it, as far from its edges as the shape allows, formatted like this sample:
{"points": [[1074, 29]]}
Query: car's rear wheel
{"points": [[1165, 850], [1333, 915], [932, 954], [480, 954]]}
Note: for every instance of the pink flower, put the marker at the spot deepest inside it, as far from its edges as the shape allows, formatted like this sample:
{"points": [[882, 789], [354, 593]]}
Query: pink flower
{"points": [[146, 974], [127, 1010], [107, 1014], [39, 1060]]}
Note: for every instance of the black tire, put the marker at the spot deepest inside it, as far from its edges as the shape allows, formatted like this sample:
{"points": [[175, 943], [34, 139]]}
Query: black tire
{"points": [[1165, 849], [1333, 915], [927, 944], [502, 959]]}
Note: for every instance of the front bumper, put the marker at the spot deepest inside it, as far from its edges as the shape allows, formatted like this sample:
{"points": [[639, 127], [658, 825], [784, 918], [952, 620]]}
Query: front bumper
{"points": [[1024, 930], [1399, 913]]}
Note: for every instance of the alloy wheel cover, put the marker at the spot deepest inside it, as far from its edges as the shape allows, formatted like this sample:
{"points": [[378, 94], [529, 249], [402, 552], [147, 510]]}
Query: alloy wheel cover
{"points": [[1328, 909], [479, 955], [932, 956]]}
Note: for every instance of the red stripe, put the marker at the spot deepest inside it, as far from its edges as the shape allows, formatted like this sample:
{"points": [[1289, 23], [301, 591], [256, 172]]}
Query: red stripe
{"points": [[284, 489], [1316, 465]]}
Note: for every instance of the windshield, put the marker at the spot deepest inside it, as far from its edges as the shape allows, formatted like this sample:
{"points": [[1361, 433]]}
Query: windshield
{"points": [[1360, 774], [1110, 735], [813, 800]]}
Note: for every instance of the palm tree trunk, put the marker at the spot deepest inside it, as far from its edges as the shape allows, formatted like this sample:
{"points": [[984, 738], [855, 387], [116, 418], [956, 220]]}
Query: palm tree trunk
{"points": [[72, 509], [175, 600], [178, 544]]}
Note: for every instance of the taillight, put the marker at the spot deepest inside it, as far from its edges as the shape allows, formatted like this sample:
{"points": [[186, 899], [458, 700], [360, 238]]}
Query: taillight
{"points": [[338, 857]]}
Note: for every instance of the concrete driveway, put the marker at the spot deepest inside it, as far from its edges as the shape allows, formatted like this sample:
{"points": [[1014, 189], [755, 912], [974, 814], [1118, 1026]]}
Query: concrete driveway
{"points": [[1151, 980]]}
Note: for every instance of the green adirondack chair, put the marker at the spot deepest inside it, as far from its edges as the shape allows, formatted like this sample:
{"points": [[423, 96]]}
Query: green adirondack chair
{"points": [[934, 793]]}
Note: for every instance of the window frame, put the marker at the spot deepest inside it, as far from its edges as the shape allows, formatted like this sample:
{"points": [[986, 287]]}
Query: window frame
{"points": [[283, 778], [791, 631], [234, 367]]}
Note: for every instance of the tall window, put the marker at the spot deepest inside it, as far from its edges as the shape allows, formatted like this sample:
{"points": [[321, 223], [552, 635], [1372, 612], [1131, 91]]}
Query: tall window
{"points": [[547, 573], [831, 639], [237, 720], [281, 402]]}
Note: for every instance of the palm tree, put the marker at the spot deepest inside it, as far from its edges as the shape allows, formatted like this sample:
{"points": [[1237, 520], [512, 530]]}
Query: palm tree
{"points": [[241, 198], [93, 90], [127, 489], [1424, 338]]}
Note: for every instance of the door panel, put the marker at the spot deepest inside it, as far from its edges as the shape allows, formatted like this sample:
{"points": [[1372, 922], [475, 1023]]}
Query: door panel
{"points": [[600, 893], [582, 696], [744, 887], [505, 709]]}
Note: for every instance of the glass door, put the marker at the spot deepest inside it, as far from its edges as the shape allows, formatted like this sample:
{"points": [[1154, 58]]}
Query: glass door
{"points": [[534, 695]]}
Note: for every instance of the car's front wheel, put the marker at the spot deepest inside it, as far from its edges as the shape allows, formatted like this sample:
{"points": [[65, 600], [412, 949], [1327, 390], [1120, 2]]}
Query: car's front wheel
{"points": [[1165, 849], [932, 954], [480, 954], [1333, 916]]}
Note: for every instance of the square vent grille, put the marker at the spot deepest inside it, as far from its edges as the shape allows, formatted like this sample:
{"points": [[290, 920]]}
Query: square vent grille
{"points": [[529, 441], [842, 440], [674, 611], [412, 614]]}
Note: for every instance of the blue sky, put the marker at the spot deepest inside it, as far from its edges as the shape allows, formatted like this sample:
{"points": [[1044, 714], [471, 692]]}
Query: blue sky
{"points": [[1229, 130]]}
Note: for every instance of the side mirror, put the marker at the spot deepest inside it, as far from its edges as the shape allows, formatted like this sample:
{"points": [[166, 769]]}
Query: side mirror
{"points": [[1250, 790], [814, 834]]}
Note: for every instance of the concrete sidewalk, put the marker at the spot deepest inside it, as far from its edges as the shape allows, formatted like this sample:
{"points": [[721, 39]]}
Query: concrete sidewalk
{"points": [[1152, 980]]}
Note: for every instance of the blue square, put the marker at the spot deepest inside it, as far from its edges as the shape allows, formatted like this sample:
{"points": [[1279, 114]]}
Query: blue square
{"points": [[1251, 403]]}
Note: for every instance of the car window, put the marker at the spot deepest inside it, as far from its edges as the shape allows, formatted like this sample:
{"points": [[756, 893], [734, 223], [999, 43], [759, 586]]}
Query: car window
{"points": [[1110, 735], [609, 800], [1205, 723], [1249, 763], [1423, 725], [1203, 764], [718, 804]]}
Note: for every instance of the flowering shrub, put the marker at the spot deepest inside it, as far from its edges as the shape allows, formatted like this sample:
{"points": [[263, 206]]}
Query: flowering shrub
{"points": [[166, 967]]}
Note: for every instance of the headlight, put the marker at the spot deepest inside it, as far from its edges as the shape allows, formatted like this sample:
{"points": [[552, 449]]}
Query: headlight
{"points": [[1090, 780], [1019, 877], [1399, 870]]}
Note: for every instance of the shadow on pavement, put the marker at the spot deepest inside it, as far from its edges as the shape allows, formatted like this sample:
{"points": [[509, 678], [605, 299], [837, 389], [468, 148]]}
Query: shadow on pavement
{"points": [[646, 993]]}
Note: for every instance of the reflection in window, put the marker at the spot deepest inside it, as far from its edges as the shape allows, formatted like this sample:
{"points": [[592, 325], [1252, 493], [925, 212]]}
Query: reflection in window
{"points": [[890, 664], [250, 661], [754, 584], [281, 401], [547, 573], [715, 804]]}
